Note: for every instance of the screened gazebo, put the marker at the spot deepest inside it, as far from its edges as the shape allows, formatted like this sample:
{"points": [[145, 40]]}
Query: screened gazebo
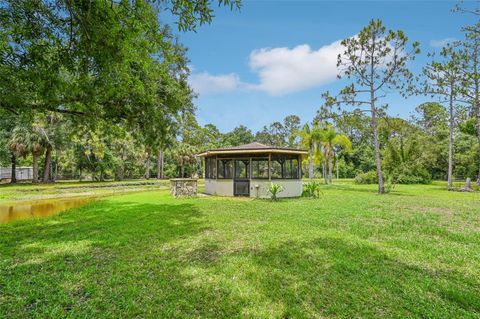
{"points": [[248, 170]]}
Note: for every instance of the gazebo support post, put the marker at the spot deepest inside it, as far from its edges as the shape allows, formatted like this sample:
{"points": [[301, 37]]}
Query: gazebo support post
{"points": [[269, 166]]}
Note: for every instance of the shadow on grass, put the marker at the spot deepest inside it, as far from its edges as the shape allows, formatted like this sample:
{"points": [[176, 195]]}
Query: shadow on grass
{"points": [[339, 278], [107, 258], [131, 259], [336, 276], [106, 223]]}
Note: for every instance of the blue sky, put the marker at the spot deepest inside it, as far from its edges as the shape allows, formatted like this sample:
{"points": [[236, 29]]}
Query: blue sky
{"points": [[275, 58]]}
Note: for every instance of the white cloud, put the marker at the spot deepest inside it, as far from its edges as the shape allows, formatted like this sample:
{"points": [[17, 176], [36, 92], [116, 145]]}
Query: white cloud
{"points": [[205, 83], [280, 71], [285, 70], [442, 42]]}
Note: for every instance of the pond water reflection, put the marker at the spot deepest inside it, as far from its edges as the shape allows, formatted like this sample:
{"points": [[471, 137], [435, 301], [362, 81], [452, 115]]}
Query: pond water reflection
{"points": [[38, 209]]}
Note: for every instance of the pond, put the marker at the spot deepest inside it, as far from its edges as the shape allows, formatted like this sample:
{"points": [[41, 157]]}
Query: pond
{"points": [[39, 209]]}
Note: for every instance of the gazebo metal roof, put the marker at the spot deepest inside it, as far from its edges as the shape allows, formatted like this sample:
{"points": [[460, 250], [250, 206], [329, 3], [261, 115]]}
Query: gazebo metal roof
{"points": [[254, 147]]}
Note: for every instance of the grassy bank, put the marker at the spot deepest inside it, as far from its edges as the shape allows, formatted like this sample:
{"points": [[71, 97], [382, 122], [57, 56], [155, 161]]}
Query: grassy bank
{"points": [[29, 191], [351, 253]]}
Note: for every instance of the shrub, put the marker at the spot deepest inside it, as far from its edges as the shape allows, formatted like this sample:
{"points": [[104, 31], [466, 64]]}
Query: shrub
{"points": [[403, 174], [311, 189], [369, 177], [274, 190], [412, 175], [411, 179], [409, 173], [390, 183]]}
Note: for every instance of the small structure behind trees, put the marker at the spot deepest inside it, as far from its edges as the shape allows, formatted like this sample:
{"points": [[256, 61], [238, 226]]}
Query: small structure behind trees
{"points": [[22, 173]]}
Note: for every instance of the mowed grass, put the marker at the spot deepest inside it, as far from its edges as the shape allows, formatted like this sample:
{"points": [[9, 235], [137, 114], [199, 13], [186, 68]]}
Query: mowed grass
{"points": [[352, 253]]}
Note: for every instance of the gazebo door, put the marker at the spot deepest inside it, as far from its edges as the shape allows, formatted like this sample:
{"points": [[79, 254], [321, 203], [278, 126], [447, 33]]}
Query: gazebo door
{"points": [[241, 181]]}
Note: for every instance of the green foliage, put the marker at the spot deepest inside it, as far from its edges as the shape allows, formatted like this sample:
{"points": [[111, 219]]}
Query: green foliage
{"points": [[466, 157], [360, 159], [404, 174], [274, 189], [280, 134], [4, 153], [191, 13], [432, 117], [331, 142], [432, 138], [403, 159], [369, 177], [111, 61], [410, 174], [469, 127], [312, 189], [8, 123], [239, 136], [185, 157]]}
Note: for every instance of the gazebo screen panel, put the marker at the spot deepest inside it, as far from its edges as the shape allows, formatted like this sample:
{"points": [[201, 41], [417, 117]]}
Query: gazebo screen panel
{"points": [[210, 168], [285, 167], [225, 169], [260, 168], [242, 169]]}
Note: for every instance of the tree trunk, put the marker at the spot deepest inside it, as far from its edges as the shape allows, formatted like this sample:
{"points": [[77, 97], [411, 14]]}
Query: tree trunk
{"points": [[120, 173], [160, 164], [48, 164], [147, 168], [476, 103], [58, 154], [35, 167], [13, 178], [324, 168], [450, 141], [468, 184], [330, 169], [378, 159], [310, 162], [182, 171], [478, 137], [336, 162], [121, 168], [478, 133]]}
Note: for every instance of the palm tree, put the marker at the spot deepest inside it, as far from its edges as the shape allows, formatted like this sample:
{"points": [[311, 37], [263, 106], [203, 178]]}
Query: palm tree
{"points": [[29, 139], [331, 142], [17, 148], [309, 138], [185, 155]]}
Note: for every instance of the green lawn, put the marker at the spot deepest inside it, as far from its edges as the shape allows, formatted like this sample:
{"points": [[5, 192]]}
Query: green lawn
{"points": [[351, 253]]}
